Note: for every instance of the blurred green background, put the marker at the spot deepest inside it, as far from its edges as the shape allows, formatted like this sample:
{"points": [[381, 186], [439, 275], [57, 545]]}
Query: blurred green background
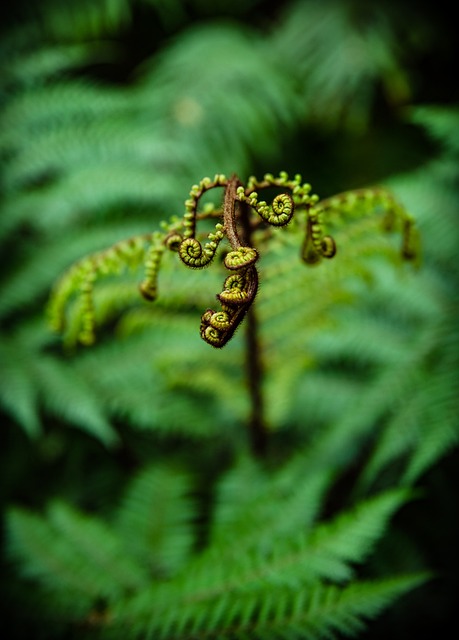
{"points": [[110, 111]]}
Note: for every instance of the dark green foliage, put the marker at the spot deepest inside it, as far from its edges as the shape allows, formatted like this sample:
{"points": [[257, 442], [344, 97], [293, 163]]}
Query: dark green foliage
{"points": [[292, 576], [130, 506]]}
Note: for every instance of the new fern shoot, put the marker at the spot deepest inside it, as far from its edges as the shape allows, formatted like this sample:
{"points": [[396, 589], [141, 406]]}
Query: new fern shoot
{"points": [[246, 222], [241, 218]]}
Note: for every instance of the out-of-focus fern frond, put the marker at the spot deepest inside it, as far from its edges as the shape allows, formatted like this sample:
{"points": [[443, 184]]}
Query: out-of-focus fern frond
{"points": [[18, 390], [396, 336], [156, 520], [442, 123], [323, 611], [73, 552], [30, 281], [32, 384], [301, 554], [247, 497], [339, 56], [139, 386], [85, 20], [225, 590], [257, 583], [27, 69], [211, 62]]}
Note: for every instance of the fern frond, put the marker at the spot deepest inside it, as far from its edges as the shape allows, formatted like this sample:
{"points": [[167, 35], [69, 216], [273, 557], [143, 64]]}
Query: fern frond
{"points": [[328, 552], [27, 69], [321, 611], [66, 394], [339, 58], [247, 497], [156, 520], [334, 612], [351, 536], [441, 122], [86, 20], [44, 110], [18, 392], [32, 279], [252, 583], [244, 585], [72, 552], [31, 383], [241, 120]]}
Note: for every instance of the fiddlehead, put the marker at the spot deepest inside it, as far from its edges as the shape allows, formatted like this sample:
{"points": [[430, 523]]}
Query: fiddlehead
{"points": [[240, 258], [281, 211], [235, 291], [233, 221], [357, 203], [194, 255], [191, 205], [316, 244], [190, 249], [299, 190], [278, 214], [80, 280], [239, 290]]}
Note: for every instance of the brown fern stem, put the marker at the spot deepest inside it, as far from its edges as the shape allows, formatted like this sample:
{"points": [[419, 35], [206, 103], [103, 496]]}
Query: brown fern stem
{"points": [[254, 367], [257, 426]]}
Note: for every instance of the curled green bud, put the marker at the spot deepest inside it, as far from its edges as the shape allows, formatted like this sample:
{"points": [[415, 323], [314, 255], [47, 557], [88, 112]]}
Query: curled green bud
{"points": [[281, 211], [173, 241], [193, 254], [241, 258]]}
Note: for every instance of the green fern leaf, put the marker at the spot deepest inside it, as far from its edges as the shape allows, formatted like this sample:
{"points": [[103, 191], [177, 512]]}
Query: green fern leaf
{"points": [[156, 519], [71, 552], [69, 396]]}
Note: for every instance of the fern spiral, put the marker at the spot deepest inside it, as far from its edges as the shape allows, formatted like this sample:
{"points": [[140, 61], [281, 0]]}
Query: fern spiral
{"points": [[193, 254], [241, 258], [220, 320], [235, 223], [281, 211], [173, 241], [316, 244], [218, 327], [234, 291], [278, 214]]}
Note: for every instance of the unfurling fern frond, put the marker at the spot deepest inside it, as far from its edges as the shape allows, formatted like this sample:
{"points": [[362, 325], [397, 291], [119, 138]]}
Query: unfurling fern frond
{"points": [[81, 277], [234, 223]]}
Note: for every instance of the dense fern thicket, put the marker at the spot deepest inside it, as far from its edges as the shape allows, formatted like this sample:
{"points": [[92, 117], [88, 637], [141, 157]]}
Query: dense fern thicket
{"points": [[130, 504]]}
